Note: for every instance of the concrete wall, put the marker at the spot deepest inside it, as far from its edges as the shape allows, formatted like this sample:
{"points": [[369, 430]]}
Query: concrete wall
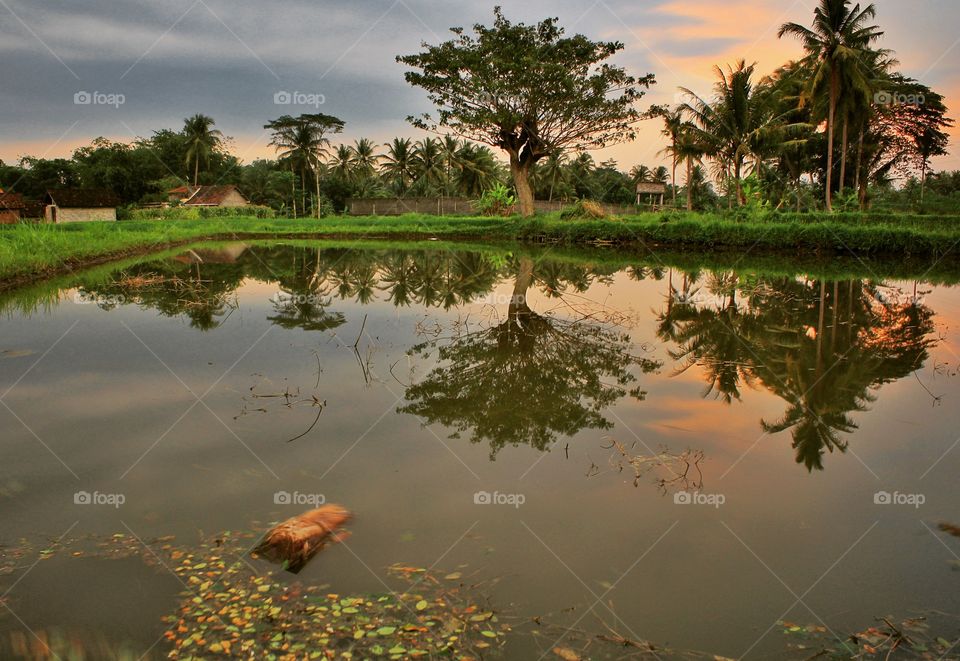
{"points": [[80, 215], [450, 206]]}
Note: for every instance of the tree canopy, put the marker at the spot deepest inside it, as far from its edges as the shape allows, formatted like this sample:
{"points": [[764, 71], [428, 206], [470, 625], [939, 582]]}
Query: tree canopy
{"points": [[528, 90]]}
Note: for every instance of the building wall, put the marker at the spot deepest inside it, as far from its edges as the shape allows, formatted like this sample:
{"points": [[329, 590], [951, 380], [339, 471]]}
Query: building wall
{"points": [[450, 206], [9, 216], [81, 215]]}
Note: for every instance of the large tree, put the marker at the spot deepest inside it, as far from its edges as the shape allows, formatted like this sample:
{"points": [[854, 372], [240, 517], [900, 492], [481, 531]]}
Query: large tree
{"points": [[528, 90]]}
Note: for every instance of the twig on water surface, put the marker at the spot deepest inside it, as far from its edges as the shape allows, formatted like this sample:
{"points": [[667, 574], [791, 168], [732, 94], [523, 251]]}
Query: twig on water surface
{"points": [[297, 438], [357, 343], [395, 376]]}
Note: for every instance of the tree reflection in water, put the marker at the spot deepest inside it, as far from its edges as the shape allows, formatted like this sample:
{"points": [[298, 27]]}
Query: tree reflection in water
{"points": [[527, 379], [533, 377], [824, 348]]}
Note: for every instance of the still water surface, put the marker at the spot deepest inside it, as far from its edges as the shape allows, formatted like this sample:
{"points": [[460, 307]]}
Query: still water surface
{"points": [[769, 418]]}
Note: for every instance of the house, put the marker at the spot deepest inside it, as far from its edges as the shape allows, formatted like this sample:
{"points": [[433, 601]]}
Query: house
{"points": [[651, 191], [80, 205], [217, 196], [11, 208]]}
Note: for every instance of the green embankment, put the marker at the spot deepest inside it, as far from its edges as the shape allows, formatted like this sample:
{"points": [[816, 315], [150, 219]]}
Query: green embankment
{"points": [[33, 251]]}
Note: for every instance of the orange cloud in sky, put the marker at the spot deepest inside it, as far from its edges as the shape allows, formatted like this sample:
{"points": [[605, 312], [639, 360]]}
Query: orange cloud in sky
{"points": [[681, 47]]}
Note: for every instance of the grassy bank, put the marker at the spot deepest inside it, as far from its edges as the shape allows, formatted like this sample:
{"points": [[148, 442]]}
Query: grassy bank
{"points": [[31, 251]]}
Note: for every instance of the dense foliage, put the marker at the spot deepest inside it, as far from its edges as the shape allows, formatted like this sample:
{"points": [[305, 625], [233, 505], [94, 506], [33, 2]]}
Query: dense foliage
{"points": [[840, 129]]}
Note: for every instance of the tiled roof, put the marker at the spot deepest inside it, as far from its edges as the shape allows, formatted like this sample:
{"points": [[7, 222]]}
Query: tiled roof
{"points": [[83, 198], [11, 201], [211, 196]]}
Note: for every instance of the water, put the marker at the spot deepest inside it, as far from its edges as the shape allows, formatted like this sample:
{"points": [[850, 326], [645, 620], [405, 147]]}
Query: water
{"points": [[412, 386]]}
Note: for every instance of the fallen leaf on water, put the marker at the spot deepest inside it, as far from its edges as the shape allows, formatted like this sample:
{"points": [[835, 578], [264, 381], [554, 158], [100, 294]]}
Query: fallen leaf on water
{"points": [[17, 353], [566, 654]]}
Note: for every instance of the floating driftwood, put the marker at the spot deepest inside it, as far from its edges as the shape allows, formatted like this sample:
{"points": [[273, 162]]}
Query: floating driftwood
{"points": [[295, 541]]}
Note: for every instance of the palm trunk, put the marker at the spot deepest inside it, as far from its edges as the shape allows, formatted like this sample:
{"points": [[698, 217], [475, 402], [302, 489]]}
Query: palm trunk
{"points": [[303, 188], [196, 170], [843, 151], [856, 184], [741, 198], [923, 181], [689, 184], [834, 91], [673, 180], [316, 176], [293, 193]]}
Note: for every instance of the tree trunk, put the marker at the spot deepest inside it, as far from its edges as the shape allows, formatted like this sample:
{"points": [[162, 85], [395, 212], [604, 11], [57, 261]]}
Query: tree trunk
{"points": [[843, 151], [856, 184], [741, 198], [196, 170], [303, 188], [521, 181], [316, 176], [923, 182], [519, 311], [293, 194], [673, 180], [689, 184], [834, 91]]}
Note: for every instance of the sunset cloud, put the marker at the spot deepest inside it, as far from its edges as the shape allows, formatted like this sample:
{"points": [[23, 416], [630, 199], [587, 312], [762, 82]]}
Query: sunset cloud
{"points": [[228, 58]]}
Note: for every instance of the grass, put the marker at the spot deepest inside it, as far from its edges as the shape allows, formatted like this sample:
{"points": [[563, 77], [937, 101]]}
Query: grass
{"points": [[31, 251]]}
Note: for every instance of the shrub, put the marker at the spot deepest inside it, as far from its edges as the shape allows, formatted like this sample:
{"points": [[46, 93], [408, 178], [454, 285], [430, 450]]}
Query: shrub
{"points": [[498, 201], [584, 209], [198, 213]]}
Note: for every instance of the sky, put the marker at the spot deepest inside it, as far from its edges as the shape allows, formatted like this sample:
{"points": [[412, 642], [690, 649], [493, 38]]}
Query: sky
{"points": [[72, 71]]}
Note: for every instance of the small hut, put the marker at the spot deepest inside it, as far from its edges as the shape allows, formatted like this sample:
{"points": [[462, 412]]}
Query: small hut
{"points": [[651, 191], [11, 208], [217, 196], [78, 205]]}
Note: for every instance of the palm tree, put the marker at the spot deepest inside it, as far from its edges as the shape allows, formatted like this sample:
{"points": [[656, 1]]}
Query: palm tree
{"points": [[477, 170], [397, 164], [641, 174], [202, 141], [302, 142], [552, 171], [738, 123], [835, 48], [451, 151], [688, 150], [363, 160], [429, 165], [672, 126], [341, 163]]}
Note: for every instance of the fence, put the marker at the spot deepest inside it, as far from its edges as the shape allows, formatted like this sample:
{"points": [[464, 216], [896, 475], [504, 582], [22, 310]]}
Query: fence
{"points": [[454, 206]]}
